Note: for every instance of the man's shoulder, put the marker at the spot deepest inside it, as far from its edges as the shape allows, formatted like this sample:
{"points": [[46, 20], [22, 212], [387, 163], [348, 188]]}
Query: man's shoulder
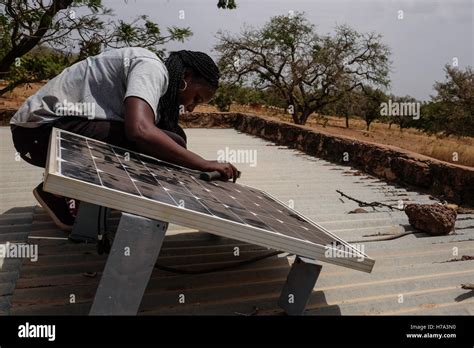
{"points": [[132, 53]]}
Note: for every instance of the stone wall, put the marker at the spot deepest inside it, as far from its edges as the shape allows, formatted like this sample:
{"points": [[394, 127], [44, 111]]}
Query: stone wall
{"points": [[444, 180]]}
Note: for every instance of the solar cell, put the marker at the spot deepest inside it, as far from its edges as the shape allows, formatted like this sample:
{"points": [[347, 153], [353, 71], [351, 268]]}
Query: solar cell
{"points": [[99, 173]]}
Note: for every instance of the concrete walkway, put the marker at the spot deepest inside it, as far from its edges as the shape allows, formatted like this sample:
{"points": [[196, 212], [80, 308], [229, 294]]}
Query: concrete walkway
{"points": [[17, 178]]}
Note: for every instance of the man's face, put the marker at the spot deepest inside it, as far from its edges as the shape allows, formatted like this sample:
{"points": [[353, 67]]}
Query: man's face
{"points": [[196, 92]]}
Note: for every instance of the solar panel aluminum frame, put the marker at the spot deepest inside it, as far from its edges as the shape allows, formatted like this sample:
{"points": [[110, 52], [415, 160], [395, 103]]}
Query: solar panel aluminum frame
{"points": [[56, 183], [370, 261]]}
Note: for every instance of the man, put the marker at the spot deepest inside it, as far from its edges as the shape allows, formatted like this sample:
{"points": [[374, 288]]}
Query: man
{"points": [[126, 97]]}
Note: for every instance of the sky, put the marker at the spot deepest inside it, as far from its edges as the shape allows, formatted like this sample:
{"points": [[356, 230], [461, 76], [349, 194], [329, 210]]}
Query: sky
{"points": [[431, 33]]}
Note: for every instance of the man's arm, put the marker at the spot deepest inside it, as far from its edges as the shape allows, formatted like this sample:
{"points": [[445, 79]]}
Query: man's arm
{"points": [[149, 139], [177, 138], [181, 133]]}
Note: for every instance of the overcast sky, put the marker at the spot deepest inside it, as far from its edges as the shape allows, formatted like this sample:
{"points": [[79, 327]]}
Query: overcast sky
{"points": [[431, 33]]}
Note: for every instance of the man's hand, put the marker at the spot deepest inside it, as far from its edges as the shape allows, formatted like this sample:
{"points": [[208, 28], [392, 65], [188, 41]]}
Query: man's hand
{"points": [[227, 170]]}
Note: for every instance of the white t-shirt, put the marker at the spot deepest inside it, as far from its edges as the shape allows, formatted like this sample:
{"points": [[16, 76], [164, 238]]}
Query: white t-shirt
{"points": [[96, 87]]}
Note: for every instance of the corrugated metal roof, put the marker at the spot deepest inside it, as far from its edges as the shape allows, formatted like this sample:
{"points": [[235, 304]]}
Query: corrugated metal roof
{"points": [[17, 180], [410, 274]]}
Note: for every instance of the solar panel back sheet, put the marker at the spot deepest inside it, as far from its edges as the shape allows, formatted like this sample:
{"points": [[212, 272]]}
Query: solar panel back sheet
{"points": [[114, 177]]}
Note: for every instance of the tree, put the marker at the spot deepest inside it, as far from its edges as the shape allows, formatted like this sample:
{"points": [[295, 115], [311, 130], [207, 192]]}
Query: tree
{"points": [[83, 26], [224, 97], [372, 101], [40, 64], [454, 102], [305, 68], [429, 121], [349, 103], [227, 4], [402, 120], [228, 93]]}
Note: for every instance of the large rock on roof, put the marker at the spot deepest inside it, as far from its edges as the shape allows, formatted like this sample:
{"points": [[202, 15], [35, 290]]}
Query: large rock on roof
{"points": [[435, 219]]}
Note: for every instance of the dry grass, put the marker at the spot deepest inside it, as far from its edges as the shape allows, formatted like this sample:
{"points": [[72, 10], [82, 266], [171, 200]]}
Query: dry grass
{"points": [[442, 148], [18, 96]]}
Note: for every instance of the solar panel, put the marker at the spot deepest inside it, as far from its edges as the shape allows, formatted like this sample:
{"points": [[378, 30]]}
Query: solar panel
{"points": [[99, 173]]}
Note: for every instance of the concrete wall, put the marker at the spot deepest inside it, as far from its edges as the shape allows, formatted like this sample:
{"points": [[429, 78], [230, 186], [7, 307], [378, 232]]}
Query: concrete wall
{"points": [[444, 180]]}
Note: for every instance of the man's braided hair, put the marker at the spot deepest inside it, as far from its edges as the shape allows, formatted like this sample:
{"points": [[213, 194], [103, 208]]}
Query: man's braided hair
{"points": [[203, 68]]}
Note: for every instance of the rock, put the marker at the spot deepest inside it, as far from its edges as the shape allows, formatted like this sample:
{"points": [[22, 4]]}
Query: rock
{"points": [[434, 219]]}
